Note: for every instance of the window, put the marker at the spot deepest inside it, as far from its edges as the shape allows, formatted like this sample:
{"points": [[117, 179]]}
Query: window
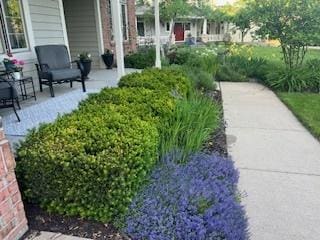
{"points": [[140, 29], [124, 16], [12, 25], [167, 26], [187, 26], [124, 19]]}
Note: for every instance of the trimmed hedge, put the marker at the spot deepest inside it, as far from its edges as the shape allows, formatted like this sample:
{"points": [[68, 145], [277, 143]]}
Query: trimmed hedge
{"points": [[145, 57], [93, 161], [148, 104], [167, 80]]}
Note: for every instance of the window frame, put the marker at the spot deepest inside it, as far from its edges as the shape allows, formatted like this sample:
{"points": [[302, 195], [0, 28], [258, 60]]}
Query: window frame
{"points": [[5, 35], [109, 11], [168, 26], [144, 28], [126, 27]]}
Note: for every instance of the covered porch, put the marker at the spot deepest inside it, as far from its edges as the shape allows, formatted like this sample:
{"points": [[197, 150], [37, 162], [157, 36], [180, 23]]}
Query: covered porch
{"points": [[46, 109]]}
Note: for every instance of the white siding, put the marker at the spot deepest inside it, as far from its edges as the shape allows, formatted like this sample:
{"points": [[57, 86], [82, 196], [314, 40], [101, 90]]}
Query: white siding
{"points": [[46, 22], [82, 29], [46, 26]]}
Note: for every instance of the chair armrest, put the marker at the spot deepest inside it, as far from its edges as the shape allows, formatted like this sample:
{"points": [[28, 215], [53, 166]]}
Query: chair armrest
{"points": [[43, 67], [79, 65], [10, 83]]}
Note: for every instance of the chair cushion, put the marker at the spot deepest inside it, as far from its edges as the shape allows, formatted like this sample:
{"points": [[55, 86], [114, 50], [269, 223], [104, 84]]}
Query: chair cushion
{"points": [[56, 56], [65, 74], [5, 91]]}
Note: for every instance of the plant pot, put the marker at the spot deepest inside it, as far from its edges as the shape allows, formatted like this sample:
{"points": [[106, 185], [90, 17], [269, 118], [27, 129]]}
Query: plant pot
{"points": [[86, 64], [17, 75], [108, 60]]}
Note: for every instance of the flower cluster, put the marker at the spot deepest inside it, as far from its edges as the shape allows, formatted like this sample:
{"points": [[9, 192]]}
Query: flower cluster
{"points": [[197, 200], [13, 64]]}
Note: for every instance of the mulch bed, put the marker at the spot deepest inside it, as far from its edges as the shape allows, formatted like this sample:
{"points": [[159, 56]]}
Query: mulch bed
{"points": [[40, 220], [218, 142]]}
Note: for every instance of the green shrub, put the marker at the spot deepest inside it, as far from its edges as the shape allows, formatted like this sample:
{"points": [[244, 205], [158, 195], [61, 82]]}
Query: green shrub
{"points": [[179, 55], [189, 127], [88, 163], [145, 57], [92, 161], [200, 79], [168, 80], [229, 74], [313, 65], [148, 104], [302, 79], [203, 59]]}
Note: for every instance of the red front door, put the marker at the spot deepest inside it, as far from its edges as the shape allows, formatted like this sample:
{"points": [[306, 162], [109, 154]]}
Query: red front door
{"points": [[179, 31]]}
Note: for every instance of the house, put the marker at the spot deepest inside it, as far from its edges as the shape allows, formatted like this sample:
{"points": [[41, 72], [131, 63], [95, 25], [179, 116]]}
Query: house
{"points": [[82, 25], [197, 27]]}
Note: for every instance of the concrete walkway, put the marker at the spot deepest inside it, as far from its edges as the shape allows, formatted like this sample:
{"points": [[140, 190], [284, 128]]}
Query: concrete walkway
{"points": [[53, 236], [279, 163]]}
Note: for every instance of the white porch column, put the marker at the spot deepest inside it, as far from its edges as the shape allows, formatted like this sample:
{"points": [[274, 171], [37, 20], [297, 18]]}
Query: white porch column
{"points": [[117, 26], [204, 30], [157, 28]]}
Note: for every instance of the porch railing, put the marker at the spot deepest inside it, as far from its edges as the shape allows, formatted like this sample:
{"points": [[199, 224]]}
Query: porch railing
{"points": [[215, 37], [150, 40]]}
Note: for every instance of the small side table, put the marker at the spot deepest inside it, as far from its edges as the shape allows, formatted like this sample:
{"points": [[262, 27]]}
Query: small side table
{"points": [[25, 84]]}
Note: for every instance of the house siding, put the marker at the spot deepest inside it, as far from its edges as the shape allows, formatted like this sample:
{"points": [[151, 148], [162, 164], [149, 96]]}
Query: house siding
{"points": [[46, 22], [82, 29], [46, 27]]}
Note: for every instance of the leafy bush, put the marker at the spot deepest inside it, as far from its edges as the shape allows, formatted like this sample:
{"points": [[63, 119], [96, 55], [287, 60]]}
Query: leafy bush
{"points": [[88, 163], [313, 65], [200, 64], [239, 68], [197, 200], [297, 80], [167, 80], [148, 104], [189, 127], [179, 55], [229, 74], [92, 161], [200, 79], [145, 57]]}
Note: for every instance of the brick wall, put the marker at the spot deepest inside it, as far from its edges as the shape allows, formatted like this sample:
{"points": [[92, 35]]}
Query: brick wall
{"points": [[13, 222], [130, 45]]}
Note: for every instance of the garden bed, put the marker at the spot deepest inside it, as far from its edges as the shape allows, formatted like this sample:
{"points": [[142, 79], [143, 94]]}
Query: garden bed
{"points": [[41, 220]]}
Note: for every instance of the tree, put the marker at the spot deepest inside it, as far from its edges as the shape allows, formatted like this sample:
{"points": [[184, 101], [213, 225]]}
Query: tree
{"points": [[295, 23], [242, 20]]}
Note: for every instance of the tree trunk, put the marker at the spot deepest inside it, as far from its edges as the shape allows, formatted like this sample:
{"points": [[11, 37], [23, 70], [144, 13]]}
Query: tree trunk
{"points": [[172, 23]]}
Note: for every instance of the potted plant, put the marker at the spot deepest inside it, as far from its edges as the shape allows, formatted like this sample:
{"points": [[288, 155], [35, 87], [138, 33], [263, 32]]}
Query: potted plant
{"points": [[108, 58], [86, 61], [14, 66]]}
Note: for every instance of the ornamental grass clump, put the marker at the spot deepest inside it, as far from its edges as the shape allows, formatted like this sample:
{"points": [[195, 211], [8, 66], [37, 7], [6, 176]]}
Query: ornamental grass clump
{"points": [[197, 200], [189, 127]]}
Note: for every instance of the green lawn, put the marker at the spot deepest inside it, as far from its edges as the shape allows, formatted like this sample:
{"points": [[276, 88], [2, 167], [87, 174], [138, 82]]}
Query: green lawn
{"points": [[306, 106], [274, 53]]}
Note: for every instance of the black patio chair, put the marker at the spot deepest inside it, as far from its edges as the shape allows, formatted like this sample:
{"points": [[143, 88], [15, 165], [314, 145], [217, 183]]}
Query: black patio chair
{"points": [[55, 67], [9, 95]]}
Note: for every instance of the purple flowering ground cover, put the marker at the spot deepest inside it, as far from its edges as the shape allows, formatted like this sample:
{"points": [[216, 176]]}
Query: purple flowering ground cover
{"points": [[197, 200]]}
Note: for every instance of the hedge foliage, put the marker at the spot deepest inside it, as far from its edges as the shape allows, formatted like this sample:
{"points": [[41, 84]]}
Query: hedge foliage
{"points": [[93, 161], [145, 57], [168, 80]]}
